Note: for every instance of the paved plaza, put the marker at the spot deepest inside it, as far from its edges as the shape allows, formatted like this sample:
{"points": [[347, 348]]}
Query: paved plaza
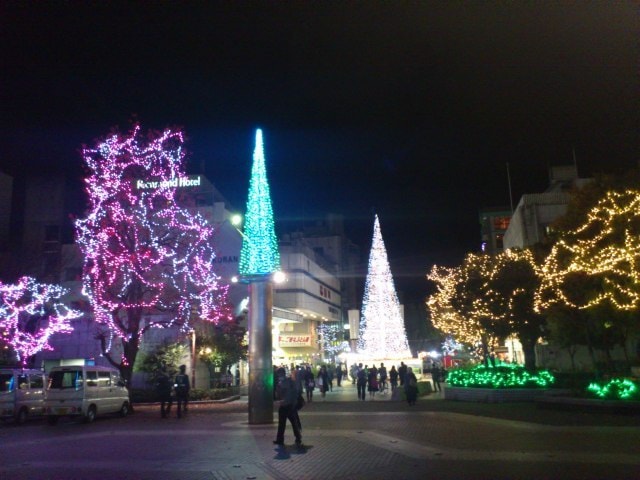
{"points": [[344, 439]]}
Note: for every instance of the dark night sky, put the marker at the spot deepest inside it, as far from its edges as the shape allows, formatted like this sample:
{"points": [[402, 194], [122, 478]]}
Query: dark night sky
{"points": [[408, 109]]}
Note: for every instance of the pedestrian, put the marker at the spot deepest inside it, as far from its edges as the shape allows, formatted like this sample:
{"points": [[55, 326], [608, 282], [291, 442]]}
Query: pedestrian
{"points": [[330, 375], [372, 378], [322, 381], [287, 394], [353, 372], [393, 377], [163, 387], [436, 377], [411, 387], [181, 386], [361, 385], [309, 383], [339, 374], [402, 371], [382, 372]]}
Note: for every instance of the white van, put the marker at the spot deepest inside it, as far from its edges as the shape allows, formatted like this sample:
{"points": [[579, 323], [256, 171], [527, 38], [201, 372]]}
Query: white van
{"points": [[21, 393], [85, 391]]}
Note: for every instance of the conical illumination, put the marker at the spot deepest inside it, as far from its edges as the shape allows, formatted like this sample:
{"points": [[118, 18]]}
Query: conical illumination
{"points": [[382, 332], [260, 254]]}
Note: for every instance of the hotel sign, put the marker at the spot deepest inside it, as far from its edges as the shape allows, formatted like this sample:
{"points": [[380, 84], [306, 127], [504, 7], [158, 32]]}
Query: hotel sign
{"points": [[179, 182], [294, 340]]}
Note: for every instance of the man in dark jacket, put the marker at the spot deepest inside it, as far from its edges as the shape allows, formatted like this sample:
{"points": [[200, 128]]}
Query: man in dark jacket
{"points": [[182, 390], [288, 395], [163, 386]]}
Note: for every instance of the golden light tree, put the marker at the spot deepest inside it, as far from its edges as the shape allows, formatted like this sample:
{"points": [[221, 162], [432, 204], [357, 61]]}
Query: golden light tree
{"points": [[600, 261], [596, 268], [460, 306], [488, 298]]}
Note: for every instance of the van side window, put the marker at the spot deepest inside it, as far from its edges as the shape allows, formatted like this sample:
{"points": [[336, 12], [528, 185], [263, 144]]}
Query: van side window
{"points": [[36, 380], [66, 379], [23, 382], [92, 378], [6, 382], [104, 379]]}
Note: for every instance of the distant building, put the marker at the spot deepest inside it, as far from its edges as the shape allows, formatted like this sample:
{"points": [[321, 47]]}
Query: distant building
{"points": [[537, 211], [493, 225], [313, 261], [6, 193]]}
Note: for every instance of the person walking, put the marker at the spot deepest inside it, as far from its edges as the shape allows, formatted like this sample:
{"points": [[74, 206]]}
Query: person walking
{"points": [[436, 376], [339, 374], [181, 387], [411, 387], [393, 377], [402, 371], [164, 388], [372, 378], [361, 382], [309, 383], [322, 380], [382, 372], [287, 393]]}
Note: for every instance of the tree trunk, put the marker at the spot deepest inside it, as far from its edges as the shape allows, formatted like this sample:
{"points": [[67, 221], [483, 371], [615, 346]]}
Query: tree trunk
{"points": [[529, 350]]}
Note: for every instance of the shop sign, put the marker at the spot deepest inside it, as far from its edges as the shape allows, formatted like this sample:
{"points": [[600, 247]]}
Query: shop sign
{"points": [[294, 340]]}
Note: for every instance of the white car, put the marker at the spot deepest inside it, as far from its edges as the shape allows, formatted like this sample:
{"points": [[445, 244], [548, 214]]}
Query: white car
{"points": [[85, 391], [21, 393]]}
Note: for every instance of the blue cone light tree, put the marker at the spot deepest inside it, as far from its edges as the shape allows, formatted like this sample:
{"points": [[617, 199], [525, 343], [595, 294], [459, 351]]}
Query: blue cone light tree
{"points": [[259, 260]]}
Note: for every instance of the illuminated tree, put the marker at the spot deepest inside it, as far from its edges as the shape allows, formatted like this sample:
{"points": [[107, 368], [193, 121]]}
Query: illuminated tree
{"points": [[462, 305], [329, 339], [382, 331], [597, 266], [148, 262], [513, 282], [222, 345], [443, 315], [260, 254], [30, 313], [487, 299]]}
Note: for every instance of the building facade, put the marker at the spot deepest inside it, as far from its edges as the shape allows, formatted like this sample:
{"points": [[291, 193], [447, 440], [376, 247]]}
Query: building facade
{"points": [[311, 295], [537, 211]]}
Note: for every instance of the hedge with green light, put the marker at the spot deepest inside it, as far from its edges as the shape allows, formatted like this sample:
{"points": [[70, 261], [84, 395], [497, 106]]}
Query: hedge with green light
{"points": [[501, 376], [615, 389]]}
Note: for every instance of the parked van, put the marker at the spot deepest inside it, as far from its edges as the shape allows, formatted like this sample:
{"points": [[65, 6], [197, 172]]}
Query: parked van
{"points": [[21, 393], [85, 391]]}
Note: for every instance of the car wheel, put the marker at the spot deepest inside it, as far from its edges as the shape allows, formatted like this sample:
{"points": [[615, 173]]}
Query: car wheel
{"points": [[124, 411], [22, 415], [91, 414], [52, 419]]}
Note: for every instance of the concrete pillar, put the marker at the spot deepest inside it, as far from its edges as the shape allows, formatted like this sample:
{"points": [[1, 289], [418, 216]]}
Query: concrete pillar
{"points": [[260, 351]]}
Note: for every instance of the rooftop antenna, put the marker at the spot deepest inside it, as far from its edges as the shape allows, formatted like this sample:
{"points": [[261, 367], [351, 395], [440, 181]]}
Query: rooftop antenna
{"points": [[510, 193]]}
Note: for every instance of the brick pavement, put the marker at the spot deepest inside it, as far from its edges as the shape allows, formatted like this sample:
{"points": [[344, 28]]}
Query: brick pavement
{"points": [[346, 440]]}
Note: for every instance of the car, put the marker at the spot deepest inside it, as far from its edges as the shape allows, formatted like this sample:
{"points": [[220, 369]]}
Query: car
{"points": [[85, 392], [21, 394]]}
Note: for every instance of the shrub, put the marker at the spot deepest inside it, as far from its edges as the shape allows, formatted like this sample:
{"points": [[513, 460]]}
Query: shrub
{"points": [[502, 376], [615, 389]]}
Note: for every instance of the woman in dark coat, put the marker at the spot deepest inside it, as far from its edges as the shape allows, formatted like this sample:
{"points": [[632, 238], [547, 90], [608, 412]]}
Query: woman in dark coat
{"points": [[411, 386], [322, 380]]}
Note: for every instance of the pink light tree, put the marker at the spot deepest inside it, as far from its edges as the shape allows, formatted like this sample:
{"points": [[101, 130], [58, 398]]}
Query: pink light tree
{"points": [[148, 262], [30, 313]]}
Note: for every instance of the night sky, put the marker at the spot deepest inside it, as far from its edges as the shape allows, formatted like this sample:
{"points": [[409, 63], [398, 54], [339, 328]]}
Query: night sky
{"points": [[407, 109]]}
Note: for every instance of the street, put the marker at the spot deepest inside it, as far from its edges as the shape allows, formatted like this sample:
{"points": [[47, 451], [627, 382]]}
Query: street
{"points": [[343, 439]]}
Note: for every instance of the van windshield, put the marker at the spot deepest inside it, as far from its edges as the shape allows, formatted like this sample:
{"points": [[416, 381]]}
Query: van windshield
{"points": [[65, 379], [6, 382]]}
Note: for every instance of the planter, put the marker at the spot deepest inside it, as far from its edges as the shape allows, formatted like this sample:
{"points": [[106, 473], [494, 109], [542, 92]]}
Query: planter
{"points": [[493, 395]]}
